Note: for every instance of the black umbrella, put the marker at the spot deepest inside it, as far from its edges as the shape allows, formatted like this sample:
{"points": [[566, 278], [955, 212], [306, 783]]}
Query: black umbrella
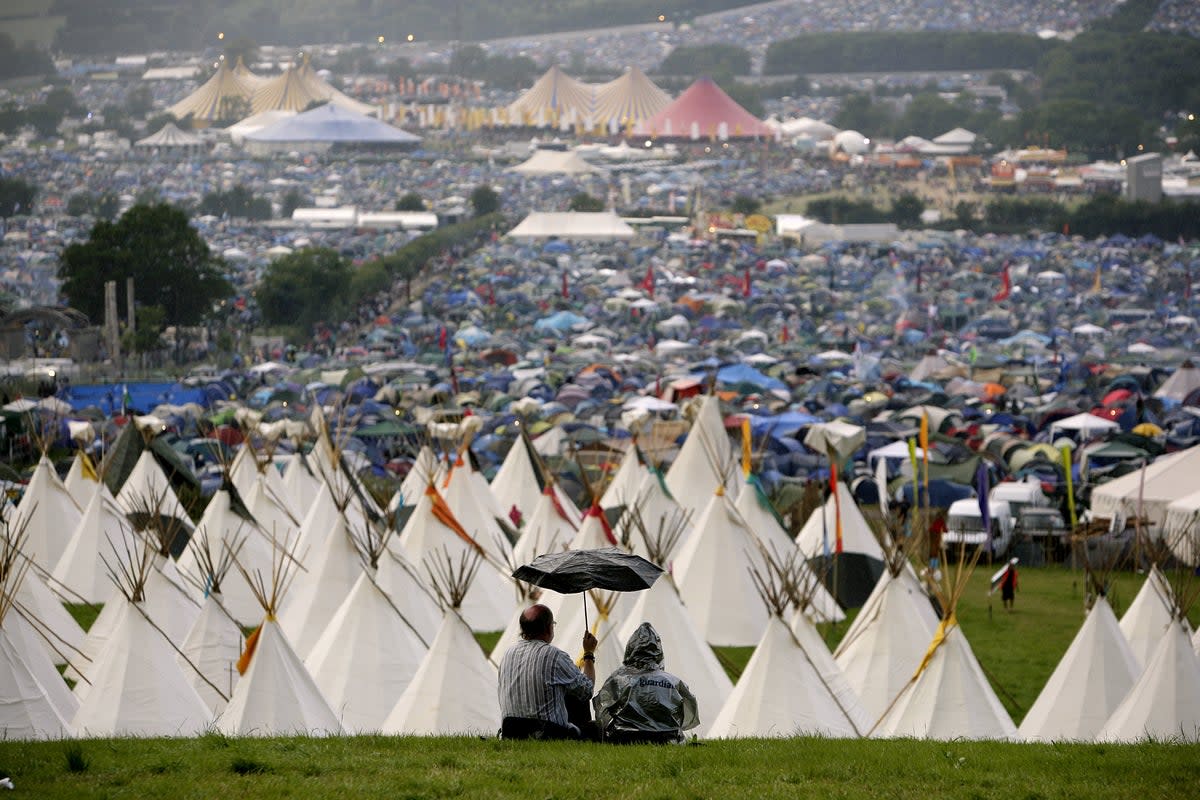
{"points": [[573, 571]]}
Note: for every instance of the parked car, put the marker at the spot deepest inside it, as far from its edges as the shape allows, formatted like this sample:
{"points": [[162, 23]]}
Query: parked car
{"points": [[964, 527]]}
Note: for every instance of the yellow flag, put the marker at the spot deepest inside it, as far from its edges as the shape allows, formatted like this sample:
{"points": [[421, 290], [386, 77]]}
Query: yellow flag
{"points": [[912, 457], [1066, 462], [746, 447], [925, 446]]}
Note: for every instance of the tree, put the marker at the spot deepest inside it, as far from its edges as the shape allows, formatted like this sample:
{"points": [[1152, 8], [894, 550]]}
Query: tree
{"points": [[16, 197], [410, 202], [861, 112], [80, 203], [147, 334], [27, 59], [964, 214], [139, 102], [292, 199], [108, 206], [906, 210], [711, 59], [169, 262], [44, 119], [305, 287], [745, 204], [242, 47], [485, 200], [238, 202], [583, 201]]}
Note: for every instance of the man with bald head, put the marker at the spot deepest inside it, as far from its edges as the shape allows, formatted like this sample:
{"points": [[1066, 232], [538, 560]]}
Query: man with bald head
{"points": [[537, 680]]}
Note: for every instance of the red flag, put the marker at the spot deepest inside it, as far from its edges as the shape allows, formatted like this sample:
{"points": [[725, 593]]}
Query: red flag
{"points": [[648, 281], [1005, 287], [783, 337], [746, 284], [442, 338], [837, 505], [564, 284]]}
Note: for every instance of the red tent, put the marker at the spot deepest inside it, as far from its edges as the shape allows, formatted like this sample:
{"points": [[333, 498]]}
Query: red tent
{"points": [[704, 112]]}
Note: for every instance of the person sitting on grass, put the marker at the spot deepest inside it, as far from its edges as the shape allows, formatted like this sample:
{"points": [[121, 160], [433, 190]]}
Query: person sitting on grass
{"points": [[538, 682], [641, 702]]}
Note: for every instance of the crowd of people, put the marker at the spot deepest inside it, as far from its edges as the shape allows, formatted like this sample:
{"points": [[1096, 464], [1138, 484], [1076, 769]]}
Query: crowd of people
{"points": [[756, 27]]}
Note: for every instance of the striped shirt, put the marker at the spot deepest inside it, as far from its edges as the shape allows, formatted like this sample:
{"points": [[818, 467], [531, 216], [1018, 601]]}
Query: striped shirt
{"points": [[535, 678]]}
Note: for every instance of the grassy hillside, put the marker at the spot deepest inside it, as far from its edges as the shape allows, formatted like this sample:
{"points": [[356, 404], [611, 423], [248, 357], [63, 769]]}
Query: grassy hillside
{"points": [[389, 767], [114, 25]]}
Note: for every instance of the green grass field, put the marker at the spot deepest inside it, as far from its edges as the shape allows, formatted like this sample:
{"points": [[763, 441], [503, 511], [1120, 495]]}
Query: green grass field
{"points": [[388, 767], [1018, 650]]}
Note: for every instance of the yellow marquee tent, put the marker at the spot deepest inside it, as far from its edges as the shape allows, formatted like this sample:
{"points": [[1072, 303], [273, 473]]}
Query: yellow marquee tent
{"points": [[224, 96]]}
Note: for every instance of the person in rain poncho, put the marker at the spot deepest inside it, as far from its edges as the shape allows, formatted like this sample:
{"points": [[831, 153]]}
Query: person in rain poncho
{"points": [[640, 701]]}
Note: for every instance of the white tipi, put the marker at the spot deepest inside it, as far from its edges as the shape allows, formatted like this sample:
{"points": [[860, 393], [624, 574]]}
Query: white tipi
{"points": [[1164, 703], [661, 606], [791, 685], [1091, 679], [884, 645], [432, 526], [705, 461], [138, 687], [948, 697], [102, 532], [48, 514], [1148, 616], [456, 688], [26, 711], [714, 573], [276, 695], [215, 640]]}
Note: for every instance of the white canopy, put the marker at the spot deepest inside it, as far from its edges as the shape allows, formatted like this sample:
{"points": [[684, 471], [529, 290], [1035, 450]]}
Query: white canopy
{"points": [[553, 162], [1085, 422], [592, 225]]}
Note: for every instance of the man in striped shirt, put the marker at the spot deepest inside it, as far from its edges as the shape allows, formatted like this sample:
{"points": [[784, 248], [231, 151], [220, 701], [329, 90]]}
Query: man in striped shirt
{"points": [[537, 679]]}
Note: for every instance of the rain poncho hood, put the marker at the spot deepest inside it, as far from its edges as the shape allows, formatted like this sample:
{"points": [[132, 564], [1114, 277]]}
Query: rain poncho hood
{"points": [[644, 649], [639, 697]]}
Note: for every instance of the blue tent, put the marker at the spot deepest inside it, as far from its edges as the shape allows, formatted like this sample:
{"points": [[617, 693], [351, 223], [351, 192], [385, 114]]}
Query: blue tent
{"points": [[783, 424], [744, 373], [559, 321], [139, 396]]}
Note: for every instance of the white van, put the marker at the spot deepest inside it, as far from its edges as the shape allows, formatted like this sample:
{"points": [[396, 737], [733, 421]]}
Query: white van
{"points": [[964, 525], [1020, 495]]}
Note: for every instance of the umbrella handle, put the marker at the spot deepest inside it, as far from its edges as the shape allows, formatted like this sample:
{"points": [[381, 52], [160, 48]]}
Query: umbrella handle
{"points": [[585, 619]]}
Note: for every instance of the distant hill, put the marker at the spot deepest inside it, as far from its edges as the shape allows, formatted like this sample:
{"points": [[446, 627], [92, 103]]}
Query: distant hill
{"points": [[114, 26]]}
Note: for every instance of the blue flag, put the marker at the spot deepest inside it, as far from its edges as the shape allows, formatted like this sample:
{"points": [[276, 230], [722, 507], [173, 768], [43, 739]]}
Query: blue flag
{"points": [[982, 488]]}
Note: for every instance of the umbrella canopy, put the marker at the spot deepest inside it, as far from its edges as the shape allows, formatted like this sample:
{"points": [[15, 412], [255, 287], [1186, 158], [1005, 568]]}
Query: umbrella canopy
{"points": [[575, 571]]}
